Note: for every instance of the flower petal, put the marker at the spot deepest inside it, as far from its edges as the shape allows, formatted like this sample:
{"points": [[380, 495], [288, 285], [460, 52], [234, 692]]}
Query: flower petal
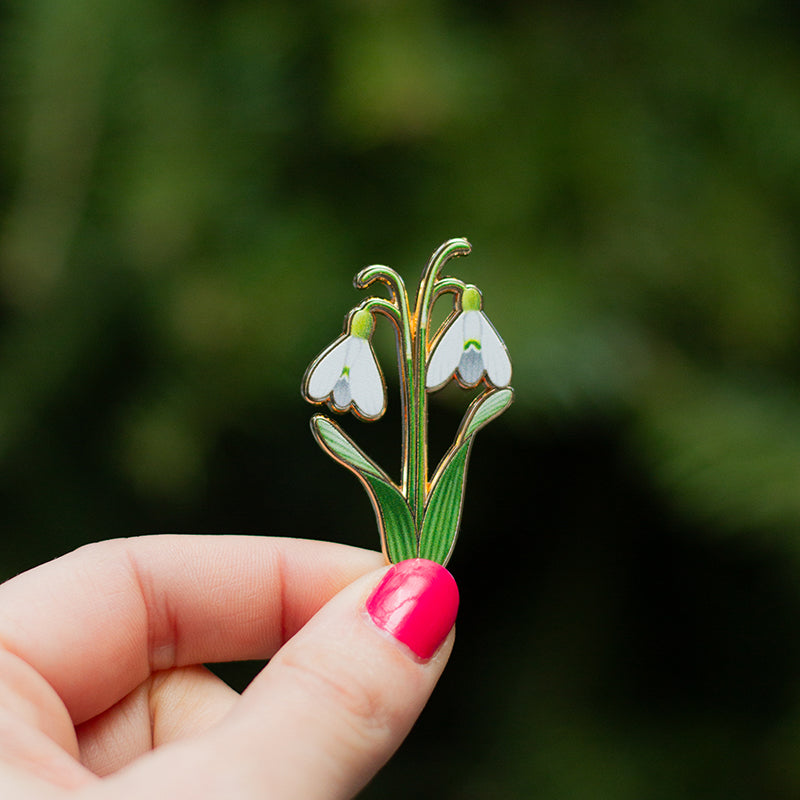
{"points": [[470, 367], [495, 356], [366, 381], [326, 371], [446, 354], [472, 327], [342, 395]]}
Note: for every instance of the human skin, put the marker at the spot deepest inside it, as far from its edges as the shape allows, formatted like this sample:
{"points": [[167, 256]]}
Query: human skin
{"points": [[103, 692]]}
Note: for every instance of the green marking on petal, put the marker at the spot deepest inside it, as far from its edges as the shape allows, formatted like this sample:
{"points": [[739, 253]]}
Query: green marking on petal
{"points": [[471, 299], [345, 371], [362, 324], [474, 342]]}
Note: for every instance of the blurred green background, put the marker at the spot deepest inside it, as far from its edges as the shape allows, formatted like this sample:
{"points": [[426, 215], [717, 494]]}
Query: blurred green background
{"points": [[187, 189]]}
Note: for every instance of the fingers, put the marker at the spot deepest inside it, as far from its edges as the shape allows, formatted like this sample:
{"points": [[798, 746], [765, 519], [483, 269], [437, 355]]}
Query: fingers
{"points": [[97, 622], [169, 705], [331, 706], [32, 764], [37, 740], [325, 714]]}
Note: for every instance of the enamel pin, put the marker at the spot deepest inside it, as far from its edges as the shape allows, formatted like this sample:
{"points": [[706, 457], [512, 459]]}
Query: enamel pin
{"points": [[420, 516]]}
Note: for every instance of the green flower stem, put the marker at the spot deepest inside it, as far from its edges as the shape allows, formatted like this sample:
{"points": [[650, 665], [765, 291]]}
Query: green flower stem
{"points": [[377, 305], [443, 285], [379, 272], [398, 311], [416, 449], [412, 346]]}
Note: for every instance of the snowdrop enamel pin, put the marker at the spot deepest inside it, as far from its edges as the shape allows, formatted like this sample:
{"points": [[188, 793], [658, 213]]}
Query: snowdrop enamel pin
{"points": [[420, 516]]}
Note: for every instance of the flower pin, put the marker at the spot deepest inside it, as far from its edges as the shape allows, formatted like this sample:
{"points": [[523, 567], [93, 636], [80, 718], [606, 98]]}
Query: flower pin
{"points": [[420, 515]]}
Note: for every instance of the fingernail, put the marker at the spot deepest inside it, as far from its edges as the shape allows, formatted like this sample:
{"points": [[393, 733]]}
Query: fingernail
{"points": [[416, 602]]}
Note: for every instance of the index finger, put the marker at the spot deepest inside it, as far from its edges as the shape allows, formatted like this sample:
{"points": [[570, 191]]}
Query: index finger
{"points": [[96, 622]]}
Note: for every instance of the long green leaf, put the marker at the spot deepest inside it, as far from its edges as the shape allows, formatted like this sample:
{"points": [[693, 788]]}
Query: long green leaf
{"points": [[443, 511], [395, 523], [446, 500], [342, 448], [398, 534], [486, 408]]}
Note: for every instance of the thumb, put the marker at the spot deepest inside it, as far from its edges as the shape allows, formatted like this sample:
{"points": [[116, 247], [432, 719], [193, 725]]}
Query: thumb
{"points": [[338, 699], [343, 694]]}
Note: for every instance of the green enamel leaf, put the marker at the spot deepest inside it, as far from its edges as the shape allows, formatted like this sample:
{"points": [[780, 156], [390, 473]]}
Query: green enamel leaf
{"points": [[443, 511], [394, 519], [445, 502], [484, 410], [342, 448], [395, 522]]}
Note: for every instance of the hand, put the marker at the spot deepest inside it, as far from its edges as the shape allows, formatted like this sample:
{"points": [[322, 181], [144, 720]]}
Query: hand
{"points": [[102, 694]]}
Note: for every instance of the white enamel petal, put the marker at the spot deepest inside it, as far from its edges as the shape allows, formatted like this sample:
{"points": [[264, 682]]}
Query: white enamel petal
{"points": [[326, 371], [342, 394], [472, 326], [470, 367], [366, 382], [446, 355], [495, 355]]}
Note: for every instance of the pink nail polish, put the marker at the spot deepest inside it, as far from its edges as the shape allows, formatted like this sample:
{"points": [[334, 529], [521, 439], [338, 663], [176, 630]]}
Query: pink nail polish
{"points": [[416, 602]]}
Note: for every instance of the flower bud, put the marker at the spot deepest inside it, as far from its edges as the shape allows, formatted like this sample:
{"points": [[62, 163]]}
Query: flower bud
{"points": [[362, 324], [471, 299]]}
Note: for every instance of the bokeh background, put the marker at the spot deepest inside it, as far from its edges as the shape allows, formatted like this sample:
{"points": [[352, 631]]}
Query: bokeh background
{"points": [[187, 189]]}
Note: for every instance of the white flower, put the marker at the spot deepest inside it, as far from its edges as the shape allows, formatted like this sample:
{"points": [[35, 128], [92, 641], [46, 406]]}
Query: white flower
{"points": [[347, 373], [470, 347]]}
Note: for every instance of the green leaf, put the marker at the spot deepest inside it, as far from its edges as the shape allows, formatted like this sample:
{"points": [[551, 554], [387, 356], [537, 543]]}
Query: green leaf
{"points": [[443, 510], [445, 502], [482, 411], [395, 522], [398, 533], [342, 448]]}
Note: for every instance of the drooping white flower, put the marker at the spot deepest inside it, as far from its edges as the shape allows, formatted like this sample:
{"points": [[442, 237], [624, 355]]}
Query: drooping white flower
{"points": [[469, 348], [347, 374]]}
